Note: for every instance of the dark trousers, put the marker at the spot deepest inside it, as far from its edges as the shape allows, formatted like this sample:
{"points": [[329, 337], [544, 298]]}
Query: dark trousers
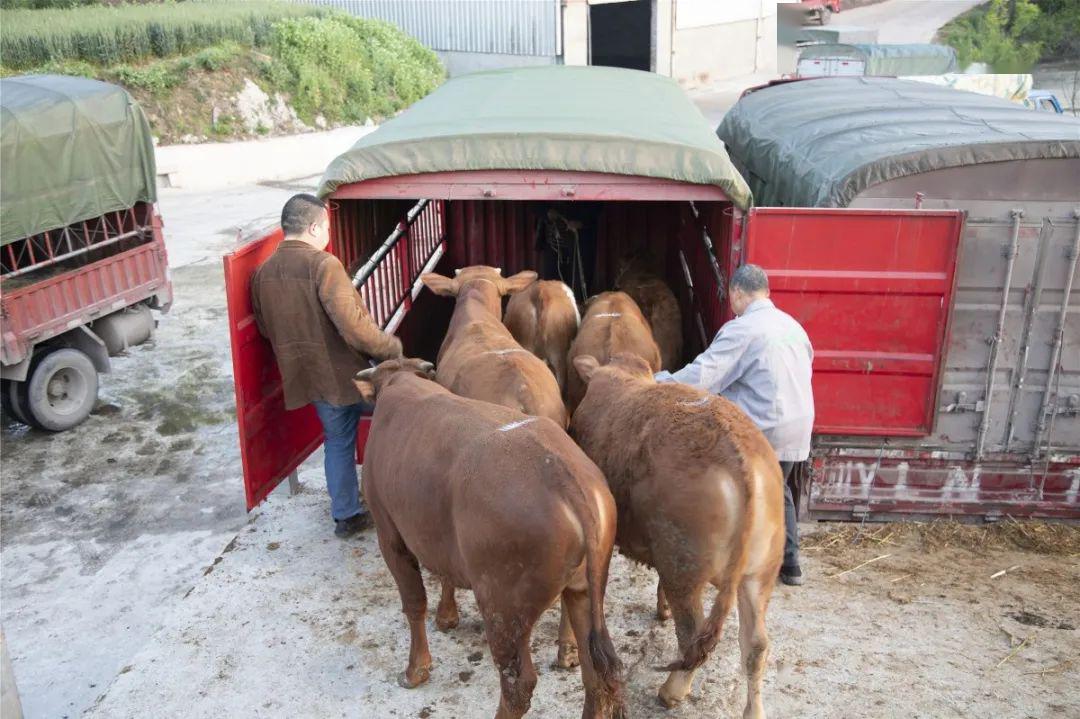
{"points": [[791, 528]]}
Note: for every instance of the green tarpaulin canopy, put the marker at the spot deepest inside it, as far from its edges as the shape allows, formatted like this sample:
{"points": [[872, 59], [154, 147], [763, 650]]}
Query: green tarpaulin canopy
{"points": [[583, 119], [916, 59], [819, 143], [71, 149]]}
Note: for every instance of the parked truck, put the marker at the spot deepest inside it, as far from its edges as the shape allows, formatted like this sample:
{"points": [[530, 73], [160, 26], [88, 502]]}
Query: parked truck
{"points": [[828, 59], [469, 174], [82, 257], [995, 429], [820, 11]]}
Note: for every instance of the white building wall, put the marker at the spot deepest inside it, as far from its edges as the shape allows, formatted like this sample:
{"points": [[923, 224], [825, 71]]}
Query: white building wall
{"points": [[719, 40]]}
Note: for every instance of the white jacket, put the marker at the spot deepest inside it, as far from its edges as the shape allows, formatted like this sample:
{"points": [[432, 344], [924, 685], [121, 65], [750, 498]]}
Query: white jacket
{"points": [[761, 361]]}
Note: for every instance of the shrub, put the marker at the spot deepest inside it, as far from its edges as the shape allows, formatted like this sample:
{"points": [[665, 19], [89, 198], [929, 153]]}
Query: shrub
{"points": [[1057, 28], [122, 34], [348, 69], [156, 77], [403, 69], [218, 56], [990, 34]]}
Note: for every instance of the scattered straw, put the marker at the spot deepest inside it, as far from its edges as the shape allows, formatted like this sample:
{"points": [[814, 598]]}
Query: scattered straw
{"points": [[1026, 535], [1015, 651], [860, 566], [1058, 668], [1003, 572]]}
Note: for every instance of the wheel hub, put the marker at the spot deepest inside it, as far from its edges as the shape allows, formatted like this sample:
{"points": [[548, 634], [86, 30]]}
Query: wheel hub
{"points": [[65, 390]]}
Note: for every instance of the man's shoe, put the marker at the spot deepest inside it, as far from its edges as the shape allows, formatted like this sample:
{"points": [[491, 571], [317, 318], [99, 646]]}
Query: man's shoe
{"points": [[348, 527], [791, 576]]}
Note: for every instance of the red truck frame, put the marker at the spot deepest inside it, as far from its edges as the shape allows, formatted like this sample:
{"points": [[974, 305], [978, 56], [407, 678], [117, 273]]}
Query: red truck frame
{"points": [[84, 289]]}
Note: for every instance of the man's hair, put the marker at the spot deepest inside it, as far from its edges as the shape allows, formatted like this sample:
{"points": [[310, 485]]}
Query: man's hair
{"points": [[751, 279], [300, 212]]}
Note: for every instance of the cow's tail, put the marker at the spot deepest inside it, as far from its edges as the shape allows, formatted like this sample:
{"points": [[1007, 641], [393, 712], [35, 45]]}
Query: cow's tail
{"points": [[738, 551], [605, 661]]}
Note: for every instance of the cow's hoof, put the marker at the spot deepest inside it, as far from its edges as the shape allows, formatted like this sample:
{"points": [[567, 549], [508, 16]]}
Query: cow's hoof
{"points": [[410, 679], [666, 700], [445, 624], [567, 657], [663, 613]]}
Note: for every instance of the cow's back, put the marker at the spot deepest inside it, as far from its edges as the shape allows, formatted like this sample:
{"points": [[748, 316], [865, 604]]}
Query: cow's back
{"points": [[660, 307], [613, 324], [668, 449], [544, 319], [451, 473]]}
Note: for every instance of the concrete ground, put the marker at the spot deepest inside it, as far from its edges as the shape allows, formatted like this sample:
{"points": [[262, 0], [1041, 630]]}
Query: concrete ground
{"points": [[105, 527], [906, 21], [287, 621]]}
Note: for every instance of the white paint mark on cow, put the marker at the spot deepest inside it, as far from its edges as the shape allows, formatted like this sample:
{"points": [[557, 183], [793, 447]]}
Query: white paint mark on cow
{"points": [[695, 403], [608, 314], [515, 425], [573, 302], [504, 352]]}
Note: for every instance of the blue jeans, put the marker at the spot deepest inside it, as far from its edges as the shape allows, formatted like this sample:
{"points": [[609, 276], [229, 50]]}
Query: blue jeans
{"points": [[339, 426]]}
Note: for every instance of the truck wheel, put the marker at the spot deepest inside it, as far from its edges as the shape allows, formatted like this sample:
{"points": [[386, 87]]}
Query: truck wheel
{"points": [[12, 400], [825, 15], [61, 390]]}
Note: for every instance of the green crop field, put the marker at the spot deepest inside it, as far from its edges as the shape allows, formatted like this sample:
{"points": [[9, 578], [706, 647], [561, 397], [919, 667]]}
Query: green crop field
{"points": [[109, 35]]}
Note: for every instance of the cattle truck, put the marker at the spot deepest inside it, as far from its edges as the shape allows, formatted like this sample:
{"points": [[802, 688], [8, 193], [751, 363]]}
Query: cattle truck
{"points": [[471, 175], [82, 258], [1001, 434]]}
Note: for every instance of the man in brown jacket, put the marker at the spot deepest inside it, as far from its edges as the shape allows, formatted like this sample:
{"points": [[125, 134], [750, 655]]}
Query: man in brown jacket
{"points": [[322, 335]]}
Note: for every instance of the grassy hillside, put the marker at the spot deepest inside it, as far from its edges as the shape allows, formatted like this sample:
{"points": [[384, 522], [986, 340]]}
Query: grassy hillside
{"points": [[221, 69]]}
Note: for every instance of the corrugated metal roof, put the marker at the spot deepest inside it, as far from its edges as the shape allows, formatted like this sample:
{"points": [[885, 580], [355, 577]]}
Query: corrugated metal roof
{"points": [[820, 142], [510, 27]]}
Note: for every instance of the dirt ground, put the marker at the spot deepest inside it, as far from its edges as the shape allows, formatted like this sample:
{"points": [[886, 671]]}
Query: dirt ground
{"points": [[289, 622], [103, 527]]}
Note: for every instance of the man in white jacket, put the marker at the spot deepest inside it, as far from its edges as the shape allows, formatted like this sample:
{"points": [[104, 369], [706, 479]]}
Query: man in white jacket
{"points": [[761, 361]]}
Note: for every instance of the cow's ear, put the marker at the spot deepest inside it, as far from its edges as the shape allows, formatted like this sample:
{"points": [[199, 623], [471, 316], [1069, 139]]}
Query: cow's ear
{"points": [[439, 285], [518, 282], [586, 365], [365, 384]]}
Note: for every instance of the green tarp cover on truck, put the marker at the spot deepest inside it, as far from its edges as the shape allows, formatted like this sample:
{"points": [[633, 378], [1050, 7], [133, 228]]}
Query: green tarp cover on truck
{"points": [[582, 119], [71, 149], [915, 59], [820, 142]]}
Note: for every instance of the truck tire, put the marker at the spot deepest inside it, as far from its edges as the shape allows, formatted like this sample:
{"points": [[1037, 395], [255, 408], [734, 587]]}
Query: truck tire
{"points": [[60, 390], [12, 400], [825, 15]]}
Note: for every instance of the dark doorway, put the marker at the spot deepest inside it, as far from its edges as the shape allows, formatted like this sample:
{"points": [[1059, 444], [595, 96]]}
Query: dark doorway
{"points": [[620, 34]]}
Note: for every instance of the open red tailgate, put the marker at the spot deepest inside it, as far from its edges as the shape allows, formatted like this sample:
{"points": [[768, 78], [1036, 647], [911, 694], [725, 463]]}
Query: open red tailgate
{"points": [[273, 441], [873, 289]]}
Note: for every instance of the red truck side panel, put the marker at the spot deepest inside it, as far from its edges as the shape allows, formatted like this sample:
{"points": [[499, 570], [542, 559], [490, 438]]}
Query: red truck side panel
{"points": [[273, 441], [46, 308], [873, 289]]}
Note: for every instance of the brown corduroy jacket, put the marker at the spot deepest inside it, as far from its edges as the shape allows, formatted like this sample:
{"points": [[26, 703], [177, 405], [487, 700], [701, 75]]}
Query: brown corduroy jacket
{"points": [[316, 321]]}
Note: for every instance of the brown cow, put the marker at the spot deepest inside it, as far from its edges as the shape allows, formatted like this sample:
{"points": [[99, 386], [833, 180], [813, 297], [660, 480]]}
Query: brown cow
{"points": [[700, 498], [658, 304], [544, 318], [612, 324], [479, 358], [495, 501]]}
